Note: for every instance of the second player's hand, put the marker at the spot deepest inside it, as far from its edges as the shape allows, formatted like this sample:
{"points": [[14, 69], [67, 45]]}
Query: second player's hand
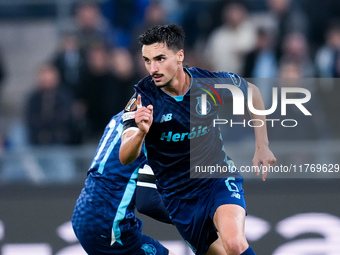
{"points": [[263, 158], [143, 116]]}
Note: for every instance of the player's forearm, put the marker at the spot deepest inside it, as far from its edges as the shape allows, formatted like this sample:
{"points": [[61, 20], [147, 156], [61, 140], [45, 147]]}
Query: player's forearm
{"points": [[261, 137], [260, 129], [131, 147]]}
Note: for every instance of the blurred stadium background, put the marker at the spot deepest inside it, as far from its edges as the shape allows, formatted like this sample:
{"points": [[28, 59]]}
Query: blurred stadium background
{"points": [[87, 52]]}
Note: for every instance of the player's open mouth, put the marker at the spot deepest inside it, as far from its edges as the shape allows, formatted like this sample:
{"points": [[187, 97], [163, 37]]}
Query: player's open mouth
{"points": [[157, 77]]}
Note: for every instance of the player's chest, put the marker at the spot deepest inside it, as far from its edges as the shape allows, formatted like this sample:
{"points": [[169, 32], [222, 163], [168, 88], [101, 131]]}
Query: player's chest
{"points": [[182, 115]]}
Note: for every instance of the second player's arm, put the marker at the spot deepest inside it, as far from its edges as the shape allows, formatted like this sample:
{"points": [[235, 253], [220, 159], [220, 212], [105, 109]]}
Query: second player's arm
{"points": [[263, 155], [132, 139], [131, 146]]}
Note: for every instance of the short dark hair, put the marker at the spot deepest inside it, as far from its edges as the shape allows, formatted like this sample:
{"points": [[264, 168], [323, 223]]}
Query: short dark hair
{"points": [[172, 35]]}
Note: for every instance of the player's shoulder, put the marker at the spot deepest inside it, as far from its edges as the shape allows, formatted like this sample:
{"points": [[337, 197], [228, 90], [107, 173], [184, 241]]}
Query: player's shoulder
{"points": [[197, 72], [114, 122], [145, 84], [216, 76], [116, 119], [150, 93]]}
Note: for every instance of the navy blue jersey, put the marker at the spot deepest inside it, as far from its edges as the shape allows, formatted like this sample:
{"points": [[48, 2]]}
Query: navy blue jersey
{"points": [[182, 136], [106, 203]]}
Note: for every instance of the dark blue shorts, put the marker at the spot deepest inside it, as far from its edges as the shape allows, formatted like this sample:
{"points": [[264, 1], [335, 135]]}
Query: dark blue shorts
{"points": [[194, 217], [136, 244], [94, 233]]}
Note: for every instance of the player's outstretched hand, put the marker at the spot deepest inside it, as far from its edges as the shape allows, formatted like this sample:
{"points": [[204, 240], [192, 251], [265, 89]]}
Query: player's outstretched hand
{"points": [[143, 116], [263, 158]]}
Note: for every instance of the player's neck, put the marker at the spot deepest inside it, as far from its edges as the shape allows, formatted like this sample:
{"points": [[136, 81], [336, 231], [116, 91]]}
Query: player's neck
{"points": [[179, 85]]}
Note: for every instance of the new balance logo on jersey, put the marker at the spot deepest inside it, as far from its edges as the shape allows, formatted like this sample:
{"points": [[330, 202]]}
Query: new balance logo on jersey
{"points": [[166, 117], [149, 249], [236, 195]]}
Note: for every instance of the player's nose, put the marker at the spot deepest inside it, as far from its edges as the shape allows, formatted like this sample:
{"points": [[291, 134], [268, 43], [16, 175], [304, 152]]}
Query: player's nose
{"points": [[153, 67]]}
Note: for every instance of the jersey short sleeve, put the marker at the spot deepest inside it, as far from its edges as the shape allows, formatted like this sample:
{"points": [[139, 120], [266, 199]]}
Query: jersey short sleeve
{"points": [[234, 80], [222, 87]]}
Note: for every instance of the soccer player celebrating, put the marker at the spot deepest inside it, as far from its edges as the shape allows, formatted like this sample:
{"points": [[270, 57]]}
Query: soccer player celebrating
{"points": [[209, 213], [103, 218]]}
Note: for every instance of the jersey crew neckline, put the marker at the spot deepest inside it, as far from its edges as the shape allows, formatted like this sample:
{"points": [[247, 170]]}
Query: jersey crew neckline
{"points": [[181, 97]]}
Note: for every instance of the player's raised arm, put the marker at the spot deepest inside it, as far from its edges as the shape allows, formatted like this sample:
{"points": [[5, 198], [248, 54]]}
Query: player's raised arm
{"points": [[263, 155], [132, 138]]}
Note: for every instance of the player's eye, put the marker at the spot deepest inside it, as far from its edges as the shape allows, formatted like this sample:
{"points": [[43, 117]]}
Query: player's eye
{"points": [[146, 60], [161, 59]]}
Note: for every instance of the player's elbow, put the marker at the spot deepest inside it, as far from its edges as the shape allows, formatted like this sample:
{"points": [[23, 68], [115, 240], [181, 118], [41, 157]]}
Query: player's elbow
{"points": [[124, 160]]}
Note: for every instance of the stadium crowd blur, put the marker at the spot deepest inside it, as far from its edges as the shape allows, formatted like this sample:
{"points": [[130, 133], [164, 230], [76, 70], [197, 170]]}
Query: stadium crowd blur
{"points": [[89, 77]]}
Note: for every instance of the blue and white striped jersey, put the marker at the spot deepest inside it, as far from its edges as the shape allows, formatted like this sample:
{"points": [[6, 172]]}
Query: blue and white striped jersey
{"points": [[107, 199]]}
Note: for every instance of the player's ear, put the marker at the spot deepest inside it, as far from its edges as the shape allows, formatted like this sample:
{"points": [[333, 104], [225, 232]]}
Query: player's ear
{"points": [[180, 55]]}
